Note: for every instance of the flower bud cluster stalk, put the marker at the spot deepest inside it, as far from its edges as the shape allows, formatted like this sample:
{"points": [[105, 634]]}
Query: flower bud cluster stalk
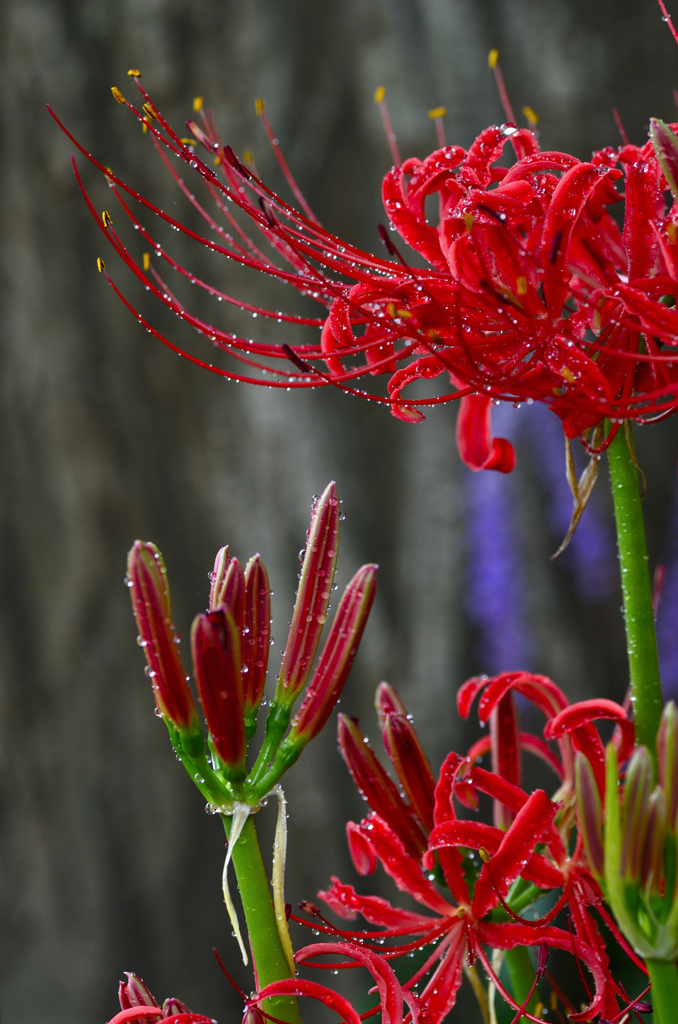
{"points": [[635, 855], [230, 645]]}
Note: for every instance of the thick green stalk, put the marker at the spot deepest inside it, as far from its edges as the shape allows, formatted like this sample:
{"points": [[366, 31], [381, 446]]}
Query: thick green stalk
{"points": [[267, 952], [521, 972], [664, 978], [641, 642]]}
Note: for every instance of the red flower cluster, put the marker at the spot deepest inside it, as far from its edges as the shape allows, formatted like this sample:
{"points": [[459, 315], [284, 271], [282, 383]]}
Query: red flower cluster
{"points": [[530, 289], [489, 874]]}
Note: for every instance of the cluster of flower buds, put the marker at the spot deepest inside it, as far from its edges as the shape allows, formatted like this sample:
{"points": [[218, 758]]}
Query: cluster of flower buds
{"points": [[230, 645], [139, 1005], [635, 856]]}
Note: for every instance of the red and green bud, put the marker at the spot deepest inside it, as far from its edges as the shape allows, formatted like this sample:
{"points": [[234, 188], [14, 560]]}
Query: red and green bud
{"points": [[640, 849], [173, 1006], [215, 644], [133, 993], [407, 757], [387, 702], [232, 593], [667, 760], [590, 809], [666, 150], [377, 788], [637, 789], [218, 575], [149, 590], [336, 658], [256, 637], [313, 597]]}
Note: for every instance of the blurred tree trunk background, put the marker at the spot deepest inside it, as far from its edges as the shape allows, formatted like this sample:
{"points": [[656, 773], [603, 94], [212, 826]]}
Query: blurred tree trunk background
{"points": [[107, 860]]}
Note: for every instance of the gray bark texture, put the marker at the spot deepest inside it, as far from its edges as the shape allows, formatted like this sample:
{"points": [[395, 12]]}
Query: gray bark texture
{"points": [[107, 859]]}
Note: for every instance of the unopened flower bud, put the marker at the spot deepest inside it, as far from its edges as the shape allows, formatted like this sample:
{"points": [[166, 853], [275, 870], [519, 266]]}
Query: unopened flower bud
{"points": [[218, 575], [409, 760], [232, 593], [173, 1006], [336, 658], [133, 992], [149, 591], [256, 638], [635, 813], [377, 787], [666, 150], [590, 811], [313, 597], [667, 759], [215, 644]]}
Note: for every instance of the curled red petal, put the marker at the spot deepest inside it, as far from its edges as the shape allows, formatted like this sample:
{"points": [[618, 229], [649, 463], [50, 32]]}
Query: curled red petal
{"points": [[390, 992], [477, 448], [582, 713], [516, 848], [135, 1013], [322, 994]]}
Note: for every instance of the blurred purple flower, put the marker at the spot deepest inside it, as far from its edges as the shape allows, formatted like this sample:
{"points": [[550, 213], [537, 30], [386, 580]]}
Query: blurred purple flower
{"points": [[591, 555]]}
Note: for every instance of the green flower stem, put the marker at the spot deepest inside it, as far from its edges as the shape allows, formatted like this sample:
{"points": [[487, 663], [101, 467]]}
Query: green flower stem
{"points": [[641, 642], [664, 978], [521, 972], [267, 952]]}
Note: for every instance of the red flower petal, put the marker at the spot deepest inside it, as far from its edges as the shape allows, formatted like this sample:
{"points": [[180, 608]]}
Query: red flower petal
{"points": [[517, 846], [476, 446]]}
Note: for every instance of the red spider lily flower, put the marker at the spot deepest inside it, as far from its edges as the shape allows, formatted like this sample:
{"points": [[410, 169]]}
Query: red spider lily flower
{"points": [[530, 291], [230, 646], [479, 864]]}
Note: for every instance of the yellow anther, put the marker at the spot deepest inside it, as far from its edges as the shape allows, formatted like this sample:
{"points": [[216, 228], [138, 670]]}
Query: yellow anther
{"points": [[437, 112], [672, 231], [468, 221], [109, 171], [553, 1000], [461, 912], [133, 73], [187, 142], [484, 855], [144, 125], [197, 104], [521, 286], [146, 261], [493, 58], [259, 106], [150, 111], [380, 94], [106, 218], [392, 310], [538, 1009], [248, 157], [404, 313], [529, 113], [217, 161], [100, 264], [433, 334], [567, 374], [117, 95]]}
